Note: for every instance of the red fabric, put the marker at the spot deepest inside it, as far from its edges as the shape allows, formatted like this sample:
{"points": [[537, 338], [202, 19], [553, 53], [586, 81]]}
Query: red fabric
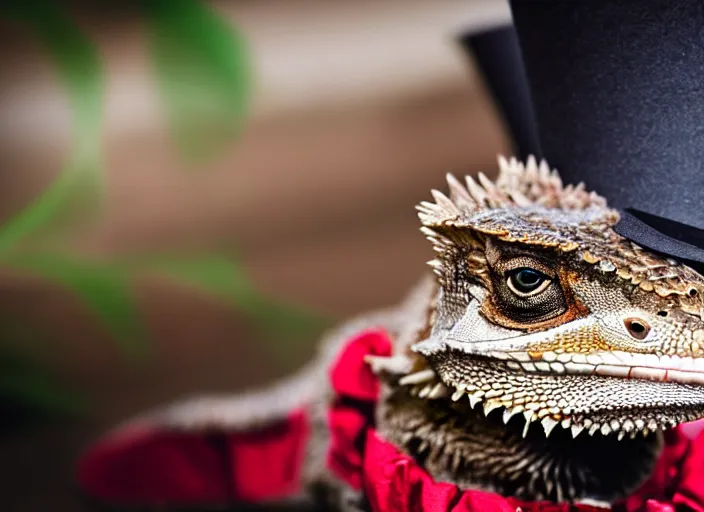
{"points": [[661, 484], [394, 482], [355, 386], [266, 464], [152, 466], [350, 376], [344, 458], [689, 489]]}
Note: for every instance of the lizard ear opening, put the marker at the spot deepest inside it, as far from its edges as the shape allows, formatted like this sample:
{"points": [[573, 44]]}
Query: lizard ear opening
{"points": [[637, 328]]}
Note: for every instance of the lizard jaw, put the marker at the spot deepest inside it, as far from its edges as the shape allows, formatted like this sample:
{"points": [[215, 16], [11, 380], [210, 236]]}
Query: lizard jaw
{"points": [[619, 364], [427, 384], [601, 391], [557, 353], [607, 363]]}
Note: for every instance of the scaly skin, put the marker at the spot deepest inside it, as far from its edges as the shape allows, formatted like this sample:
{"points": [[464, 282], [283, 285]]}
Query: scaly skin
{"points": [[542, 313], [543, 361]]}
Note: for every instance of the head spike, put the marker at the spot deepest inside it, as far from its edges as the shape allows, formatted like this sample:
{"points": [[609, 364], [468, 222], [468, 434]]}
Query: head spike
{"points": [[394, 365], [474, 399], [504, 166], [458, 193], [433, 207], [576, 430], [427, 231], [520, 199], [417, 378], [544, 171], [531, 162], [439, 391], [510, 413], [485, 182], [425, 391], [445, 203], [490, 406], [475, 191], [436, 265], [529, 418], [531, 172], [548, 425]]}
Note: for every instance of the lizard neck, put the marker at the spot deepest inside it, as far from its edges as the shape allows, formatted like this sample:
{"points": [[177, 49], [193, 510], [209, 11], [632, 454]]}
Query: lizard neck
{"points": [[458, 444]]}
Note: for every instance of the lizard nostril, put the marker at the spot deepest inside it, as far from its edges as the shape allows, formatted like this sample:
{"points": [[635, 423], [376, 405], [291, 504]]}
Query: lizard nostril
{"points": [[637, 328]]}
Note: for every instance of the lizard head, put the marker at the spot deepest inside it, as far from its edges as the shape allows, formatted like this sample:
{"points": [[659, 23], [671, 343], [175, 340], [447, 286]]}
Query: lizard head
{"points": [[542, 310]]}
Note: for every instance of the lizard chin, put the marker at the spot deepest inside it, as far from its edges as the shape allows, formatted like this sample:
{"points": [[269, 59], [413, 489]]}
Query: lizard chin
{"points": [[455, 442], [581, 401]]}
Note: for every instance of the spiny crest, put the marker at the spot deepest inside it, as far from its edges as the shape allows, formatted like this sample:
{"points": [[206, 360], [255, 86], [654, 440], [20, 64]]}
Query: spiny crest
{"points": [[528, 204], [517, 185]]}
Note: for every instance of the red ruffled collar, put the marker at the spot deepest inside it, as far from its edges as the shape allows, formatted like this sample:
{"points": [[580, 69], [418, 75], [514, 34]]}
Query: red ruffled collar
{"points": [[394, 482]]}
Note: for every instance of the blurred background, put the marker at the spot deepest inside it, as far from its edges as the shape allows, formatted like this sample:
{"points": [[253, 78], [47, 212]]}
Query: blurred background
{"points": [[191, 192]]}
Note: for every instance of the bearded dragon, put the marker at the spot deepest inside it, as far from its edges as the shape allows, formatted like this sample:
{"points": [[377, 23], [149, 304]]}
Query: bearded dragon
{"points": [[543, 357]]}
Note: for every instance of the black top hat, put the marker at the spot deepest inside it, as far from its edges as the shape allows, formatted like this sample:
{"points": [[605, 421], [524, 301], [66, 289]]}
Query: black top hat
{"points": [[617, 89]]}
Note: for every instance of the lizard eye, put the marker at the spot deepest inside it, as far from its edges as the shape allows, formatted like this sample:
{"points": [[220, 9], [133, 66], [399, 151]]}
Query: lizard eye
{"points": [[526, 295], [526, 282], [525, 286]]}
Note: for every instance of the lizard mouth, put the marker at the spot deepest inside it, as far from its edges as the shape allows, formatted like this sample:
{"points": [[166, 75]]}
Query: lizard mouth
{"points": [[619, 364], [600, 393]]}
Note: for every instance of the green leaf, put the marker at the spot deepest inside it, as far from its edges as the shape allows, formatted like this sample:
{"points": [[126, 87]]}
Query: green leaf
{"points": [[105, 289], [75, 190], [69, 196], [213, 273], [203, 72], [226, 278], [284, 321], [23, 382], [79, 182]]}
